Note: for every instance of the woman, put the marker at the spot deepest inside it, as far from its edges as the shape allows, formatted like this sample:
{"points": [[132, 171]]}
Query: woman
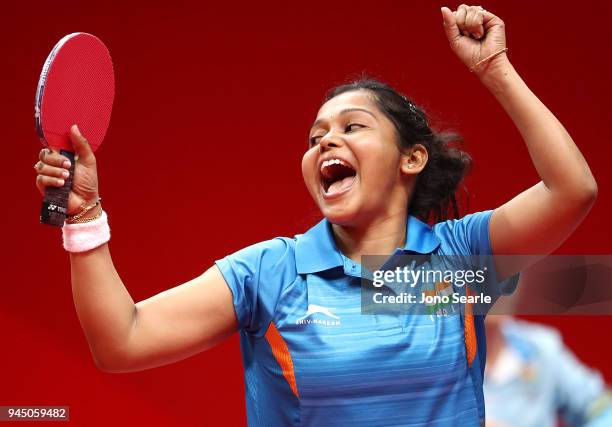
{"points": [[374, 167]]}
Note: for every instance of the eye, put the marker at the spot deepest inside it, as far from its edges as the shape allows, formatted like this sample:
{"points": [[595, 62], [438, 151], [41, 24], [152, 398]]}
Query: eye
{"points": [[353, 126], [314, 140]]}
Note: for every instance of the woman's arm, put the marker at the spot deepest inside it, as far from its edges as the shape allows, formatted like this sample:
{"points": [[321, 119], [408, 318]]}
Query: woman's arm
{"points": [[124, 336], [167, 327], [539, 219]]}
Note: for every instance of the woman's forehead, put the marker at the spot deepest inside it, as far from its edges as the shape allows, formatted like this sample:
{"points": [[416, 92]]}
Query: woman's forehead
{"points": [[355, 99]]}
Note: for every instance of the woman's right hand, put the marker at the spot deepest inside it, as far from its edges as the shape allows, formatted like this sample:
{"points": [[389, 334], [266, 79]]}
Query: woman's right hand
{"points": [[52, 169]]}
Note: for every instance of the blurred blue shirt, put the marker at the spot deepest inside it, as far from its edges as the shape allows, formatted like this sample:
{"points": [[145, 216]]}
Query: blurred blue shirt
{"points": [[536, 379]]}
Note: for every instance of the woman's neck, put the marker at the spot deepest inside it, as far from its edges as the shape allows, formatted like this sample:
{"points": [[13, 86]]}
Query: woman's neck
{"points": [[379, 237]]}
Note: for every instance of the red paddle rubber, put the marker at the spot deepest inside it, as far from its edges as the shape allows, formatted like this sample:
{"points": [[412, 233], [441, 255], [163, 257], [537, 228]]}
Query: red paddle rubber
{"points": [[55, 204]]}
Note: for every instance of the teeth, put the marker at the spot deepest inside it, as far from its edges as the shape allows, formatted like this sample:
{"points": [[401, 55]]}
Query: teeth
{"points": [[330, 162]]}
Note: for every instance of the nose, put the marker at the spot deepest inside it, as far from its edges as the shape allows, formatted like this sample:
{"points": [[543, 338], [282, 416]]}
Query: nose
{"points": [[329, 140]]}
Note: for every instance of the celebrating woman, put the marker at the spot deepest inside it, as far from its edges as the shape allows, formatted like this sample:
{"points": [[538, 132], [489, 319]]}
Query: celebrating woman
{"points": [[378, 173]]}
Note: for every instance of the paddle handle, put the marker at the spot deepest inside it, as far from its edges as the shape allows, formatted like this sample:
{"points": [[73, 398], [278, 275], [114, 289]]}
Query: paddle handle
{"points": [[55, 203]]}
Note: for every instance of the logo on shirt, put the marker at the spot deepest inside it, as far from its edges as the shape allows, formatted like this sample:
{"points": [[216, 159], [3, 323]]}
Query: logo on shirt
{"points": [[324, 316]]}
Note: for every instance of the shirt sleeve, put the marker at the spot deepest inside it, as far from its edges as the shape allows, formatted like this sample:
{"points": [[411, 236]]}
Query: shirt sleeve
{"points": [[256, 275], [470, 235]]}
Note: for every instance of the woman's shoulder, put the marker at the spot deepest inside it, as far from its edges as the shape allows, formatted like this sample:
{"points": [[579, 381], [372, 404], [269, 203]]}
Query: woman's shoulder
{"points": [[466, 235], [268, 254], [465, 221]]}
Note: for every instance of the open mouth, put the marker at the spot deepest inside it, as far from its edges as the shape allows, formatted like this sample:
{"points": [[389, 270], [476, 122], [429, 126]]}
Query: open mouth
{"points": [[337, 176]]}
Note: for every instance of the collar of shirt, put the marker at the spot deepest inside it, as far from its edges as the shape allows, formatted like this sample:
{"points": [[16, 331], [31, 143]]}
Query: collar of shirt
{"points": [[316, 249]]}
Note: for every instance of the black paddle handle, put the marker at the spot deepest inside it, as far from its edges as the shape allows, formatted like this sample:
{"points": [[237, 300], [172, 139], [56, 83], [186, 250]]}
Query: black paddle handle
{"points": [[55, 204]]}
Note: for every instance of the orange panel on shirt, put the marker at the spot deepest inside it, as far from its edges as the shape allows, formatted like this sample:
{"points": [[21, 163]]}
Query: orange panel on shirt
{"points": [[282, 356]]}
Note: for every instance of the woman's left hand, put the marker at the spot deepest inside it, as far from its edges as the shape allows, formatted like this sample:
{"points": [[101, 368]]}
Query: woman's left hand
{"points": [[473, 34]]}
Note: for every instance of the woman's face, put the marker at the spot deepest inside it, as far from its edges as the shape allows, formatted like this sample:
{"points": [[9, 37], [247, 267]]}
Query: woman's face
{"points": [[353, 167]]}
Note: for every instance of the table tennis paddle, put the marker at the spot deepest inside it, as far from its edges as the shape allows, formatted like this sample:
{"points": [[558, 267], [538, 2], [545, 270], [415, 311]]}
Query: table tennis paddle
{"points": [[76, 86]]}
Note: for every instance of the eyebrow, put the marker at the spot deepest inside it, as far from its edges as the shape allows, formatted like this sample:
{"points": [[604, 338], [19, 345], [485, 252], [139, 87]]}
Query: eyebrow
{"points": [[345, 111]]}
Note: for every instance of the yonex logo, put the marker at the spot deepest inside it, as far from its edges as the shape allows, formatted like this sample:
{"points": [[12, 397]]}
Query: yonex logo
{"points": [[331, 320]]}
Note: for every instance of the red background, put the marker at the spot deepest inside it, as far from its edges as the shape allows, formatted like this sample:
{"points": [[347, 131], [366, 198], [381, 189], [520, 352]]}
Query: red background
{"points": [[213, 106]]}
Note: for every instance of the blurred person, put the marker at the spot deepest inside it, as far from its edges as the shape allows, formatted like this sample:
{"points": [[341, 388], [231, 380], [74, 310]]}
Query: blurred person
{"points": [[533, 380]]}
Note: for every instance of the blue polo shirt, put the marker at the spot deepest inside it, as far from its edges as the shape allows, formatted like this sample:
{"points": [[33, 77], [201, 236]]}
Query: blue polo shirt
{"points": [[311, 358]]}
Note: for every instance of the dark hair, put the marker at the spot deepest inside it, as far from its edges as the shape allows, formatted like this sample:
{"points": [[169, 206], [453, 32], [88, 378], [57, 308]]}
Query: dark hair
{"points": [[434, 195]]}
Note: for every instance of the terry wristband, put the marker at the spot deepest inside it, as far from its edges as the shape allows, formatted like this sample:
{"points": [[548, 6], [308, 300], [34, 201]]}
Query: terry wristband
{"points": [[86, 236]]}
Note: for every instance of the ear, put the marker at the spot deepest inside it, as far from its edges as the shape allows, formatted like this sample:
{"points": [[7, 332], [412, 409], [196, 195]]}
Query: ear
{"points": [[414, 160]]}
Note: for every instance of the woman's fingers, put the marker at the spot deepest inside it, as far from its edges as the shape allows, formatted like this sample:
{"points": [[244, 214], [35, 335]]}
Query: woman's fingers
{"points": [[450, 25], [43, 181], [51, 170], [53, 158], [474, 20], [81, 147], [460, 15], [48, 170], [469, 20]]}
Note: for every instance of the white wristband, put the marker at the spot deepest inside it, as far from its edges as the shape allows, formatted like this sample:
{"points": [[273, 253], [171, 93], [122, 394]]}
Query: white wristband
{"points": [[87, 235]]}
